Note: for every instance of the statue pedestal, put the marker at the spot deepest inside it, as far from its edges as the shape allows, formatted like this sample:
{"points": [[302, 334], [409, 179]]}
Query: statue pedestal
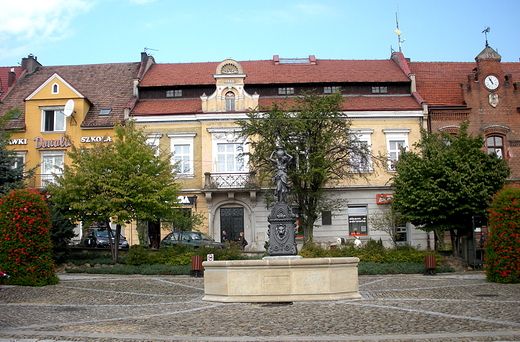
{"points": [[282, 229], [281, 279]]}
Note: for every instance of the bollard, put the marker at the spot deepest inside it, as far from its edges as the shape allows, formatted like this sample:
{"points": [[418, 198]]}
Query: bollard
{"points": [[196, 266], [430, 264]]}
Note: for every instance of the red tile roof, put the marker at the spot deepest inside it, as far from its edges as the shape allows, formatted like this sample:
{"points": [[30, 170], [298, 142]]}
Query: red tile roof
{"points": [[4, 79], [439, 82], [352, 103], [267, 72], [104, 85]]}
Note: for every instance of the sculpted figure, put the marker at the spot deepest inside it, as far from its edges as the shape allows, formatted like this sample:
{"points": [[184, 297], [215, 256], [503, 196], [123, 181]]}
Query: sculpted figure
{"points": [[281, 161]]}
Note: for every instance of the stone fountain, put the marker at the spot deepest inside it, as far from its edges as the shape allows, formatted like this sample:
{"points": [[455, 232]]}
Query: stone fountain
{"points": [[283, 276]]}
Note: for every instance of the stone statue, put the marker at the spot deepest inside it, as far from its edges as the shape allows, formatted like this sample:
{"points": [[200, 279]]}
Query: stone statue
{"points": [[282, 221], [280, 178]]}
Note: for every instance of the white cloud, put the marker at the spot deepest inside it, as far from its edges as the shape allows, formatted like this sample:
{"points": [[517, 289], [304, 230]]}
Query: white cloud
{"points": [[27, 20]]}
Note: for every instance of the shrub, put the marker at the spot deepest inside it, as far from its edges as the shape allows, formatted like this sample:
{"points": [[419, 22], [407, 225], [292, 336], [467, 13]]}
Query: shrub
{"points": [[503, 244], [25, 243], [373, 251]]}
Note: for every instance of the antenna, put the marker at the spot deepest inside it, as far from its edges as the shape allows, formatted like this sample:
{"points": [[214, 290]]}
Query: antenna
{"points": [[486, 31], [398, 32], [147, 48], [69, 108]]}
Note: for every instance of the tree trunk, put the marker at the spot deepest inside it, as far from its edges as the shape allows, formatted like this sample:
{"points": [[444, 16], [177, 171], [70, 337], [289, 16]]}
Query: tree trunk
{"points": [[455, 242]]}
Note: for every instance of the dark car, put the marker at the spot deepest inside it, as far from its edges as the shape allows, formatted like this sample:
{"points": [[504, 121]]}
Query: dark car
{"points": [[193, 239], [98, 238]]}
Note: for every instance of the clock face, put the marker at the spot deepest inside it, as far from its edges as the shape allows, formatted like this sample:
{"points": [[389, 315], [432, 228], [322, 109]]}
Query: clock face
{"points": [[491, 82]]}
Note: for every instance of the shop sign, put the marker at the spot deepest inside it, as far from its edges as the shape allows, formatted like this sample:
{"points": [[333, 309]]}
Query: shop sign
{"points": [[384, 198], [95, 139], [42, 143], [17, 141], [187, 200]]}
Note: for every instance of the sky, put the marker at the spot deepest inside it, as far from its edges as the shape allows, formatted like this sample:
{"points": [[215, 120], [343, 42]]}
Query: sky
{"points": [[70, 32]]}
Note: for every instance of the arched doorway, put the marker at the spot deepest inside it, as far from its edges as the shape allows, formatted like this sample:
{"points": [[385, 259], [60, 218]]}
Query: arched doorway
{"points": [[232, 221]]}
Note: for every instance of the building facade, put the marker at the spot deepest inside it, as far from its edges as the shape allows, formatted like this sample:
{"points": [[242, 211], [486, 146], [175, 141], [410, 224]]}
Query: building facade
{"points": [[65, 105], [190, 110]]}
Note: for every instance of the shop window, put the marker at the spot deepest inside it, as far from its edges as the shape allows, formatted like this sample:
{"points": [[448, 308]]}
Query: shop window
{"points": [[495, 144], [357, 220]]}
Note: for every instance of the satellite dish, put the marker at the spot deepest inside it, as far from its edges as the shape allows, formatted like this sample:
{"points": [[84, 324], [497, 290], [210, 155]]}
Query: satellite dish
{"points": [[69, 108]]}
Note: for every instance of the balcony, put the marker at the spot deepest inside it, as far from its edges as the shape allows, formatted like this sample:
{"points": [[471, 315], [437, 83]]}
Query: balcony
{"points": [[227, 181], [40, 181]]}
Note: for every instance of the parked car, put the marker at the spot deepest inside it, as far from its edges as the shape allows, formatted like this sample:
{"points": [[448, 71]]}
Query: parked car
{"points": [[193, 239], [98, 238]]}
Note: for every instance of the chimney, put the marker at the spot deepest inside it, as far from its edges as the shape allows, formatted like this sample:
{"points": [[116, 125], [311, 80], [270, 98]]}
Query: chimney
{"points": [[30, 63], [11, 78]]}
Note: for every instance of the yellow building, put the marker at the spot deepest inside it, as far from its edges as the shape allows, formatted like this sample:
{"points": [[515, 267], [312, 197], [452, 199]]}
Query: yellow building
{"points": [[64, 105]]}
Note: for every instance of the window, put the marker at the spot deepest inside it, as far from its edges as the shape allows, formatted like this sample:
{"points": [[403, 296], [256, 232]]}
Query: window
{"points": [[357, 220], [18, 160], [330, 90], [228, 150], [55, 88], [230, 158], [181, 147], [182, 158], [51, 163], [379, 90], [401, 234], [361, 154], [495, 144], [286, 91], [105, 111], [153, 141], [396, 140], [53, 121], [174, 93], [230, 101], [326, 218]]}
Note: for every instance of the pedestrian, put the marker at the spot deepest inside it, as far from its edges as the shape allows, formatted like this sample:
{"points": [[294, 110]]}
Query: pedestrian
{"points": [[242, 240], [224, 238]]}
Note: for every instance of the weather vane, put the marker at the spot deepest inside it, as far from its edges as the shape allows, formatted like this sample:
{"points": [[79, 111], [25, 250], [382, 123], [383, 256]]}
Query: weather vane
{"points": [[486, 31]]}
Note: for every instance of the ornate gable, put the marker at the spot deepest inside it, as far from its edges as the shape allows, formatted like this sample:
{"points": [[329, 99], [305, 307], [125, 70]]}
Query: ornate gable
{"points": [[230, 95]]}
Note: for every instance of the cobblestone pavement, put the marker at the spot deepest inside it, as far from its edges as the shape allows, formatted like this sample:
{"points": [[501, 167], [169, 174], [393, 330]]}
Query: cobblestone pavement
{"points": [[444, 307]]}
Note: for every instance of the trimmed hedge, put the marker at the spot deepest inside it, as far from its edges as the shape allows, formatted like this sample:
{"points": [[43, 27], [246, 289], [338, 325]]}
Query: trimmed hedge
{"points": [[503, 243]]}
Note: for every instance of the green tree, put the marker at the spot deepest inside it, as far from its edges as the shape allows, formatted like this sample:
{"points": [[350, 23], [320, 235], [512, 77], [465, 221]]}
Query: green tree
{"points": [[503, 243], [445, 181], [25, 243], [387, 220], [12, 174], [117, 181], [314, 130]]}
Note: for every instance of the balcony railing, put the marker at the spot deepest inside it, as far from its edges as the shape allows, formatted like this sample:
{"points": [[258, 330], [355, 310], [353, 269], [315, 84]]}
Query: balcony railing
{"points": [[230, 180], [39, 181]]}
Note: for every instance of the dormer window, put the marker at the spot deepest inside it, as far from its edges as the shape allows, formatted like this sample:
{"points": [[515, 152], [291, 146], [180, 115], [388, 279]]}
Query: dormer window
{"points": [[174, 93], [230, 101], [330, 90], [55, 88], [379, 90], [286, 91], [53, 120]]}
